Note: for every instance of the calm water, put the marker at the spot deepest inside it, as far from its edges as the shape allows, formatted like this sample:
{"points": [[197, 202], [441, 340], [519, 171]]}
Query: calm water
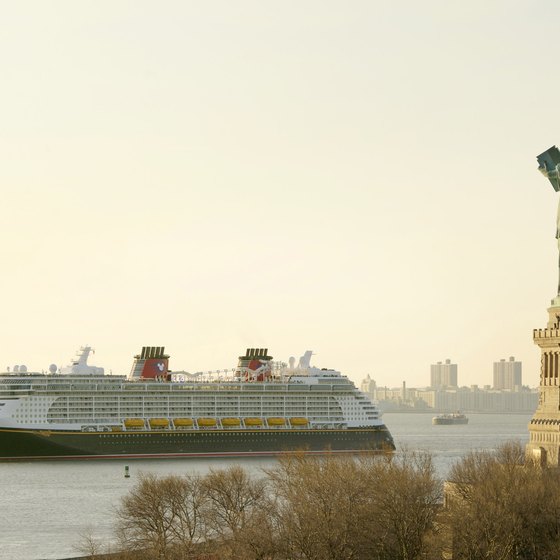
{"points": [[44, 507]]}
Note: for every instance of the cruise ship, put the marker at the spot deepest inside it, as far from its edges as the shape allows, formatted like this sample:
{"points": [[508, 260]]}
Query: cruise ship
{"points": [[259, 408]]}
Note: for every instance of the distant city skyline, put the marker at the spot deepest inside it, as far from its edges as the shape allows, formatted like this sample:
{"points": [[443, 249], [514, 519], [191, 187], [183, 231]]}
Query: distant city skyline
{"points": [[502, 375], [354, 179], [450, 398]]}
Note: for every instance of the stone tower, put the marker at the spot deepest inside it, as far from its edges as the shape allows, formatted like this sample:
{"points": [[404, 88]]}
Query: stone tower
{"points": [[544, 428]]}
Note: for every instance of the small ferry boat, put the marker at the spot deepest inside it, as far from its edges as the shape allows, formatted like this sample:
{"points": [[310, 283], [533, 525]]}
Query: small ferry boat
{"points": [[447, 419]]}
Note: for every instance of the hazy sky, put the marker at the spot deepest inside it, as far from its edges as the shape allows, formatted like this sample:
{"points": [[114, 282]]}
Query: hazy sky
{"points": [[354, 178]]}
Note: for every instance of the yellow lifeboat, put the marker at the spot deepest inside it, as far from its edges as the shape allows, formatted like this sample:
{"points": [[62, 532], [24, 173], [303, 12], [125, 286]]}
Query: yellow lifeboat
{"points": [[276, 421], [159, 423], [253, 422], [299, 421], [183, 422], [134, 423], [231, 422], [206, 422]]}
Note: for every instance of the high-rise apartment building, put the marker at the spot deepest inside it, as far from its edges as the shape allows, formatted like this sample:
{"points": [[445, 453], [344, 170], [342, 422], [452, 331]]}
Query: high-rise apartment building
{"points": [[507, 374], [443, 374]]}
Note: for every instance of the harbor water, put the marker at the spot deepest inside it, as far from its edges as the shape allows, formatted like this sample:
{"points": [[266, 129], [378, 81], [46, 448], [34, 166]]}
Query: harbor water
{"points": [[45, 507]]}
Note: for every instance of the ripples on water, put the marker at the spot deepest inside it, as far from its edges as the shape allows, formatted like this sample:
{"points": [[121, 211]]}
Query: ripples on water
{"points": [[46, 506], [448, 444]]}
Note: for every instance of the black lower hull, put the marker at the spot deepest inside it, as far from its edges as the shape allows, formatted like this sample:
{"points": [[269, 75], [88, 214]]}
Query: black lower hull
{"points": [[30, 444]]}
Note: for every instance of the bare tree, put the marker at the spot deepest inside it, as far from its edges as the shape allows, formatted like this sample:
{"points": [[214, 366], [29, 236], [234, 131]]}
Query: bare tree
{"points": [[88, 545], [501, 508], [162, 517], [343, 508], [239, 514], [404, 499], [318, 499]]}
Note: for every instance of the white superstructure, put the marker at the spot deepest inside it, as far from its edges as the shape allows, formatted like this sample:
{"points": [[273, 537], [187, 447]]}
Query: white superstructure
{"points": [[79, 365], [90, 401]]}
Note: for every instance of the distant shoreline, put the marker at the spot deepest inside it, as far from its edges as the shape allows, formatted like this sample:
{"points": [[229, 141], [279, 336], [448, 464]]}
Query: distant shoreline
{"points": [[508, 413]]}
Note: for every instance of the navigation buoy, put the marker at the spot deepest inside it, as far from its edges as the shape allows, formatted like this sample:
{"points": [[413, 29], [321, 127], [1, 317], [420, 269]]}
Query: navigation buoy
{"points": [[126, 472]]}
